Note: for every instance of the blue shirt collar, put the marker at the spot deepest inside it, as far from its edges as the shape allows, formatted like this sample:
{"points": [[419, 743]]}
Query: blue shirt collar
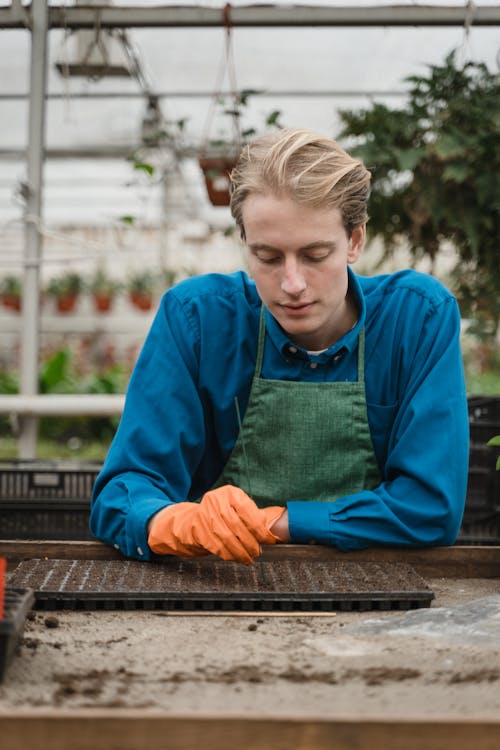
{"points": [[348, 342]]}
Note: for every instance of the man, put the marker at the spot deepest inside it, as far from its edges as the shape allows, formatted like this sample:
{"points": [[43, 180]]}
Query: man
{"points": [[306, 405]]}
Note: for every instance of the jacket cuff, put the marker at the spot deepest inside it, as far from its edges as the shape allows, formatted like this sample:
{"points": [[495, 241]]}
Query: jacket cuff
{"points": [[309, 522], [137, 527]]}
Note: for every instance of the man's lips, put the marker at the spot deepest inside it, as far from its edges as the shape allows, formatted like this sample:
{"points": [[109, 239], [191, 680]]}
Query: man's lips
{"points": [[295, 308]]}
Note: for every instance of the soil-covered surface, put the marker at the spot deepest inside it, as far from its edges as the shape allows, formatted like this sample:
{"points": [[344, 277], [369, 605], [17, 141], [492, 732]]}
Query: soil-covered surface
{"points": [[439, 660]]}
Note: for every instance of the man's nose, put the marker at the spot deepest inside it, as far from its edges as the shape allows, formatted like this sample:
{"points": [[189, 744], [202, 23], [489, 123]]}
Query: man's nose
{"points": [[293, 281]]}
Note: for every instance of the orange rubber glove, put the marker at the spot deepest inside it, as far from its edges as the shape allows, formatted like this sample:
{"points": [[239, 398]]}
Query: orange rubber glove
{"points": [[226, 523]]}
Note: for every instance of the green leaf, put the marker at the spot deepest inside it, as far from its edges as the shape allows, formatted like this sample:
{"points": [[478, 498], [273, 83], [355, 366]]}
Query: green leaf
{"points": [[494, 440], [449, 145], [127, 219], [144, 167], [457, 172], [409, 158], [55, 372], [273, 117]]}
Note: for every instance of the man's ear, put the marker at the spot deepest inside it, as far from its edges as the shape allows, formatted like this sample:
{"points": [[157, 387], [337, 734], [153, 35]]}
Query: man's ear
{"points": [[356, 243]]}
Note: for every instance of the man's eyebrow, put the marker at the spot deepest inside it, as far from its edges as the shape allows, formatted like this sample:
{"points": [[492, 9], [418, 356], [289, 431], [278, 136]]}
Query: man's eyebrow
{"points": [[262, 246], [318, 245]]}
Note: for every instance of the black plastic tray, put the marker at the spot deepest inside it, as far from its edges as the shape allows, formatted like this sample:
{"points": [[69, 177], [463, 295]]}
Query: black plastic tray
{"points": [[36, 479], [484, 418], [46, 499], [480, 528], [64, 520], [18, 602], [216, 585]]}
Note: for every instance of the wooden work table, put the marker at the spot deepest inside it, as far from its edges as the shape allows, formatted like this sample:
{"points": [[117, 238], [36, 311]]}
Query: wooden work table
{"points": [[256, 681]]}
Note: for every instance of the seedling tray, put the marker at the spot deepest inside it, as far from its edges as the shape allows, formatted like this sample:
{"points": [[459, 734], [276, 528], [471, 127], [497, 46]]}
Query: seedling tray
{"points": [[18, 602], [177, 584]]}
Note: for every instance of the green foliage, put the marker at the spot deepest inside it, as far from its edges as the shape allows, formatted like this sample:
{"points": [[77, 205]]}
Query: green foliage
{"points": [[142, 166], [68, 284], [101, 283], [11, 285], [495, 441], [55, 374], [241, 133], [142, 282], [435, 168], [58, 374]]}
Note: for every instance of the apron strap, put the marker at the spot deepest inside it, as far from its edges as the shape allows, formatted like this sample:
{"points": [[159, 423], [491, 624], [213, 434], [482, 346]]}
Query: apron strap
{"points": [[262, 340]]}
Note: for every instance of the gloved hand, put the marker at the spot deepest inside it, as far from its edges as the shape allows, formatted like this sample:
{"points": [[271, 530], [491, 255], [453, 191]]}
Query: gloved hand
{"points": [[226, 523]]}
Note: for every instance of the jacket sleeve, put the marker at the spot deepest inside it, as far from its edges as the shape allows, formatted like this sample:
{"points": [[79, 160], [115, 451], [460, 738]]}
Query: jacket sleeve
{"points": [[159, 440], [421, 499]]}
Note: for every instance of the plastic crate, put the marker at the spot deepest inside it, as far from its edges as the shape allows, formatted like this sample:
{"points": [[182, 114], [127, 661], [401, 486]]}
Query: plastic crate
{"points": [[46, 499], [479, 528], [484, 418], [18, 603], [483, 489]]}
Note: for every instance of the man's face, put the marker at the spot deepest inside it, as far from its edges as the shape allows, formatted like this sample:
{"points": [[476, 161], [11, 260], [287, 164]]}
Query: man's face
{"points": [[298, 257]]}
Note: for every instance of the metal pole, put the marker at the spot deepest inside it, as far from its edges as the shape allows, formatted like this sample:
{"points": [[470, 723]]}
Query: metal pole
{"points": [[33, 239], [305, 14]]}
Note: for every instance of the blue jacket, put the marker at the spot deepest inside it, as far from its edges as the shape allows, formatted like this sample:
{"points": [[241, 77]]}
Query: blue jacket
{"points": [[179, 423]]}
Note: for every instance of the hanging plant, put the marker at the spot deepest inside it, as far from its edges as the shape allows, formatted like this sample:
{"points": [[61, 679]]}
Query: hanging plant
{"points": [[103, 290], [66, 291], [218, 157], [141, 288], [11, 293]]}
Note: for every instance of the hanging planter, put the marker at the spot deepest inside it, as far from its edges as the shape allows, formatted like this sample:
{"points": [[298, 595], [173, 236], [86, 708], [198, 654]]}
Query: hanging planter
{"points": [[10, 293], [216, 171], [218, 158], [66, 292], [141, 291], [103, 290]]}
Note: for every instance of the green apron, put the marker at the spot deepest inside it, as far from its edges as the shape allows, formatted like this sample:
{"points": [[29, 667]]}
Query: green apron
{"points": [[302, 440]]}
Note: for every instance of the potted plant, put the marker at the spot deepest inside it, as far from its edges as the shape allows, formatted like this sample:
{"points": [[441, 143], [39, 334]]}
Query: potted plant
{"points": [[435, 167], [103, 290], [141, 288], [218, 157], [66, 290], [11, 293]]}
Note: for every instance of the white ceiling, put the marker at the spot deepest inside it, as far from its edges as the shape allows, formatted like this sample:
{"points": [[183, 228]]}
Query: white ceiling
{"points": [[184, 61]]}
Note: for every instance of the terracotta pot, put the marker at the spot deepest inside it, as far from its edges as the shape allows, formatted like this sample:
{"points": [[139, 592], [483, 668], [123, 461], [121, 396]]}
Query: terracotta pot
{"points": [[141, 300], [66, 303], [103, 302], [11, 301], [216, 173]]}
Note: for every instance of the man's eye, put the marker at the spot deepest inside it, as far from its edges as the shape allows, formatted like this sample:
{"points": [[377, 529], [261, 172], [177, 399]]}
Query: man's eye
{"points": [[316, 258], [268, 259]]}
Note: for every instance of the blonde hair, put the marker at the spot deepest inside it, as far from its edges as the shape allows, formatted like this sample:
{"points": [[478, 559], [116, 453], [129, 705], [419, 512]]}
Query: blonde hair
{"points": [[308, 168]]}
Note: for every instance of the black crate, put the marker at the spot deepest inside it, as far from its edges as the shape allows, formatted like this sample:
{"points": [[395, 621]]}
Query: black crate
{"points": [[484, 418], [47, 480], [483, 489], [46, 499], [18, 602], [479, 528]]}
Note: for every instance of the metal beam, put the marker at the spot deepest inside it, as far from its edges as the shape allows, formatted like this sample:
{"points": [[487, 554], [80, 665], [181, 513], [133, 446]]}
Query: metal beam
{"points": [[30, 339], [82, 17], [63, 405], [282, 93]]}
